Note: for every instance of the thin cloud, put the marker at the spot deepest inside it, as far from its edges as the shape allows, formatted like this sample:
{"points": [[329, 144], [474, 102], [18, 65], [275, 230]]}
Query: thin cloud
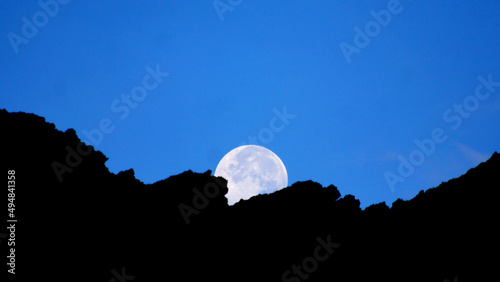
{"points": [[471, 154]]}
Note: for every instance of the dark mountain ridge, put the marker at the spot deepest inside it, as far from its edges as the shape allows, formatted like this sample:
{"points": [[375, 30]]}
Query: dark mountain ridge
{"points": [[77, 221]]}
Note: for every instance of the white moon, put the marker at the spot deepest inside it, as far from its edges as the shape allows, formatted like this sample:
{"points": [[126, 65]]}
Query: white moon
{"points": [[251, 170]]}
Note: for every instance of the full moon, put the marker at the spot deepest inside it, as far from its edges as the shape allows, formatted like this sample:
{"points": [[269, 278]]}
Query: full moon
{"points": [[251, 170]]}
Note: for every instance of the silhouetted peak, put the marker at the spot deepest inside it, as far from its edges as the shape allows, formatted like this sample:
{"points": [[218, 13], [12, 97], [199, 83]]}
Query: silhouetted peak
{"points": [[377, 208], [311, 188], [128, 174], [350, 202], [398, 204]]}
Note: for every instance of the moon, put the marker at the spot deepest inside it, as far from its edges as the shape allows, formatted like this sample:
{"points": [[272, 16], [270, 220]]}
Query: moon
{"points": [[251, 170]]}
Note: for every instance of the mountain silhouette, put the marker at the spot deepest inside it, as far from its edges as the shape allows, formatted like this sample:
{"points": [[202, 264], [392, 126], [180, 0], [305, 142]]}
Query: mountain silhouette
{"points": [[77, 221]]}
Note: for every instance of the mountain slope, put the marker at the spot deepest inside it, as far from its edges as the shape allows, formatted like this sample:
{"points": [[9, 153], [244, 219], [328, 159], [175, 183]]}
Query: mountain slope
{"points": [[78, 221]]}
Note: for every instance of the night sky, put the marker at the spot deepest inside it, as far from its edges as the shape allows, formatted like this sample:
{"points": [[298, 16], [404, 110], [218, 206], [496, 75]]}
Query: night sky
{"points": [[358, 94]]}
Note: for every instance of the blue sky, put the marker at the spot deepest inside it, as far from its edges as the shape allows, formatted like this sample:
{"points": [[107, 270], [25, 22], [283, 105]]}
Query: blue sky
{"points": [[230, 72]]}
